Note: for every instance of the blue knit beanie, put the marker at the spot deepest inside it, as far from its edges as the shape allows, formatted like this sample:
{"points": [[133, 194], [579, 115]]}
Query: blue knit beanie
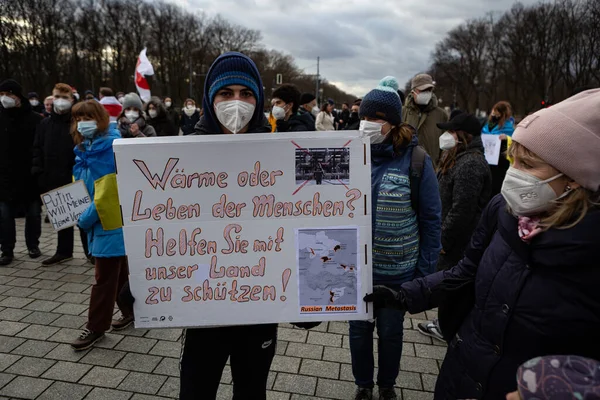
{"points": [[236, 69], [383, 102]]}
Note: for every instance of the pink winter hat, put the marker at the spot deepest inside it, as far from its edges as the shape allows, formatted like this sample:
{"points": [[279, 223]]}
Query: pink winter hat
{"points": [[567, 136]]}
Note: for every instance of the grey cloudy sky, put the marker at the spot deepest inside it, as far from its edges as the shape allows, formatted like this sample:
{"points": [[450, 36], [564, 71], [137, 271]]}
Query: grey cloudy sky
{"points": [[359, 41]]}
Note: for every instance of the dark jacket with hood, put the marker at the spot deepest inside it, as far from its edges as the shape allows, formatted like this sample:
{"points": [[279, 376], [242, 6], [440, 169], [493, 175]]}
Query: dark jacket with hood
{"points": [[425, 119], [187, 123], [465, 190], [17, 133], [299, 122], [162, 124], [53, 156], [530, 300]]}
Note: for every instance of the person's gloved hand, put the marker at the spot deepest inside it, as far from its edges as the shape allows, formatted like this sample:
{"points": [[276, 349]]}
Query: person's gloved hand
{"points": [[306, 325], [384, 297]]}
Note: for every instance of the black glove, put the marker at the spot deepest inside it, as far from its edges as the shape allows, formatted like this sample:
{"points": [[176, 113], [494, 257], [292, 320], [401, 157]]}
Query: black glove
{"points": [[384, 297], [306, 325]]}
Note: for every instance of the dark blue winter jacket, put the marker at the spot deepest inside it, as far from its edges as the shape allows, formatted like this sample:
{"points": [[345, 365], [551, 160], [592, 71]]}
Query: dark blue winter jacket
{"points": [[405, 245], [531, 300]]}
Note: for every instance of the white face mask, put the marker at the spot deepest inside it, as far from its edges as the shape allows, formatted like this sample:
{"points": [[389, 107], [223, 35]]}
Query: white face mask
{"points": [[527, 195], [152, 113], [372, 130], [190, 107], [61, 105], [315, 111], [447, 141], [132, 115], [278, 112], [423, 98], [7, 101], [168, 104], [234, 114], [34, 103]]}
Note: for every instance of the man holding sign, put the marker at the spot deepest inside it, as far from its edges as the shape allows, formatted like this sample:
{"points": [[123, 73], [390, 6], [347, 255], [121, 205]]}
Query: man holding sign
{"points": [[226, 236]]}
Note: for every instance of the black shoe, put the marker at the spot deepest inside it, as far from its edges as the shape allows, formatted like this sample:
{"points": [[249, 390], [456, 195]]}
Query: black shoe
{"points": [[6, 258], [387, 393], [55, 259], [34, 252], [363, 394]]}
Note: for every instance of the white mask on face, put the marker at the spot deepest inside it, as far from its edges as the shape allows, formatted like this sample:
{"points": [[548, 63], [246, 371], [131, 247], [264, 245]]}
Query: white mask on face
{"points": [[423, 98], [61, 105], [132, 115], [527, 195], [152, 113], [34, 103], [168, 104], [315, 111], [234, 114], [190, 107], [278, 112], [372, 130], [447, 141], [7, 101]]}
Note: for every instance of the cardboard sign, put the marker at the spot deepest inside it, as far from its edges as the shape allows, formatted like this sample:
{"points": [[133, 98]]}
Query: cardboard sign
{"points": [[247, 229], [66, 204], [492, 145]]}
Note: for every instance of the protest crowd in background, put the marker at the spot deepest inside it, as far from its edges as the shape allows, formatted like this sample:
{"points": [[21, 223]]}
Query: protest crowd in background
{"points": [[498, 227]]}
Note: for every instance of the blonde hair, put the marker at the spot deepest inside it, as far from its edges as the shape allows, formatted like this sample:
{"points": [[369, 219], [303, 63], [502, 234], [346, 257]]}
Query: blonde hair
{"points": [[571, 209]]}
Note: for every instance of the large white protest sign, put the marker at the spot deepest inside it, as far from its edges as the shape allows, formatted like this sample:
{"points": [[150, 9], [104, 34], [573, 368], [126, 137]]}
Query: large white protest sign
{"points": [[242, 229], [492, 145], [66, 204]]}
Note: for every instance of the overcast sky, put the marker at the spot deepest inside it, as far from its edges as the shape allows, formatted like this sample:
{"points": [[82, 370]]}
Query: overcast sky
{"points": [[359, 41]]}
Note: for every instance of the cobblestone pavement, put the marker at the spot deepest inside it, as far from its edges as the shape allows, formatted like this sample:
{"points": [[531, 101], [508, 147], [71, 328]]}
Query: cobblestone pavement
{"points": [[43, 309]]}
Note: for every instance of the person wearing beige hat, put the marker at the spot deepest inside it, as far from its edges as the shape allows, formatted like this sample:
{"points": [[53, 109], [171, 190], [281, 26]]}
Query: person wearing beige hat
{"points": [[422, 112], [527, 285]]}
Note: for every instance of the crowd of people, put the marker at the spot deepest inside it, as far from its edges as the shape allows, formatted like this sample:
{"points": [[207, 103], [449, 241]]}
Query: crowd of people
{"points": [[506, 252]]}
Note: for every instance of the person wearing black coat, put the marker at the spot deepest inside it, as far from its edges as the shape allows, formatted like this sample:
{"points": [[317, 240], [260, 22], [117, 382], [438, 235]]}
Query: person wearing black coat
{"points": [[159, 119], [190, 116], [532, 262], [172, 112], [343, 117], [18, 188], [354, 120], [286, 104], [34, 101], [53, 160]]}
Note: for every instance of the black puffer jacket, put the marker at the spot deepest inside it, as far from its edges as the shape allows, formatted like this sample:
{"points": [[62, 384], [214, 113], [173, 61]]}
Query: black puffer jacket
{"points": [[188, 123], [531, 300], [53, 156], [299, 122], [162, 124], [465, 190], [17, 133]]}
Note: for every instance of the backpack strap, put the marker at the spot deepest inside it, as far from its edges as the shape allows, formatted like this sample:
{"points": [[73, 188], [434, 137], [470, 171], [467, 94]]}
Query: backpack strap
{"points": [[417, 164]]}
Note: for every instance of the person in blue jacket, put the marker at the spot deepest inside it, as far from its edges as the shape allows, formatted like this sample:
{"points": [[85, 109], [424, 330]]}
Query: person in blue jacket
{"points": [[95, 166], [532, 262], [500, 123], [406, 242]]}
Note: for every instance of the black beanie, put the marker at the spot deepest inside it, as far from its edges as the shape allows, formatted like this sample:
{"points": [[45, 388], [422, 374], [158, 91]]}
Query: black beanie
{"points": [[306, 98], [12, 86]]}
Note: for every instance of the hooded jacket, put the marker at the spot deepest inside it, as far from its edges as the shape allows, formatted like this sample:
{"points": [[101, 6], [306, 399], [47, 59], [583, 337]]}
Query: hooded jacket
{"points": [[465, 190], [162, 124], [530, 300], [17, 134], [53, 157], [425, 119], [94, 159], [405, 245], [209, 124], [124, 126]]}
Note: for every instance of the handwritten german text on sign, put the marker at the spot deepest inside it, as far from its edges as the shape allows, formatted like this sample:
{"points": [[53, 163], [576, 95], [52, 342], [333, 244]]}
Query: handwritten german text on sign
{"points": [[65, 204]]}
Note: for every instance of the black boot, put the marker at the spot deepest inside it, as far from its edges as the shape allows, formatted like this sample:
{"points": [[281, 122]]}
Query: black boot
{"points": [[6, 258]]}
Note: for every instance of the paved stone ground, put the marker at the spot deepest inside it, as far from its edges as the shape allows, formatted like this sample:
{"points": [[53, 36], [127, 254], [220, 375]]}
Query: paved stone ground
{"points": [[43, 309]]}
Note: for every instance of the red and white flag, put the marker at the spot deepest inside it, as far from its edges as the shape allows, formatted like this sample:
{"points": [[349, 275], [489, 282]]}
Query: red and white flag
{"points": [[112, 105], [143, 68]]}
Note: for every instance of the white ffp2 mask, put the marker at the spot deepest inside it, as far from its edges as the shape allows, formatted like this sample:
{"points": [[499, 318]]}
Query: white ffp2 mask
{"points": [[234, 114], [61, 105], [447, 141], [278, 112], [7, 102], [423, 98], [527, 195]]}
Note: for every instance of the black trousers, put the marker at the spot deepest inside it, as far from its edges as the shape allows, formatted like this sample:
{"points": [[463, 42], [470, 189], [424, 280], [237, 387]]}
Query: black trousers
{"points": [[65, 242], [206, 350], [33, 224]]}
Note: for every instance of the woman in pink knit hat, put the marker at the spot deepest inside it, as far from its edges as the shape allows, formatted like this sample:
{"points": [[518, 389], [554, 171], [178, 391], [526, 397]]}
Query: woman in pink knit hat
{"points": [[528, 284]]}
